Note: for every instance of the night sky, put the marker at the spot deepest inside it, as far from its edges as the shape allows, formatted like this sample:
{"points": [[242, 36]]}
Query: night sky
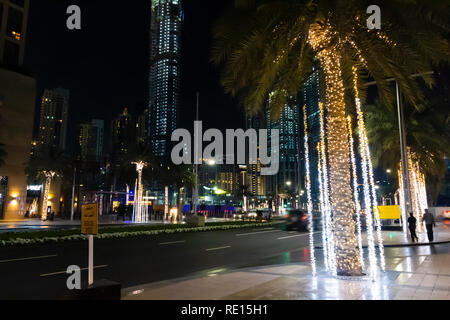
{"points": [[105, 65]]}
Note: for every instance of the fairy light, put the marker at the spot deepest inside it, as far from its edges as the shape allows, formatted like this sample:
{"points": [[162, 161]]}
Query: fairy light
{"points": [[355, 191], [402, 200], [327, 208], [49, 175], [344, 245], [418, 189], [366, 183], [322, 209], [308, 194], [139, 214], [374, 202]]}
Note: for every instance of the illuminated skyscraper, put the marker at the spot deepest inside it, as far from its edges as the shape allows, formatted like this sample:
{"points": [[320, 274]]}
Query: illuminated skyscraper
{"points": [[311, 97], [287, 179], [165, 38], [53, 120]]}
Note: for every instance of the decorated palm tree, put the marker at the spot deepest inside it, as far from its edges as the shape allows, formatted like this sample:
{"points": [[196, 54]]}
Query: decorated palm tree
{"points": [[269, 47], [49, 165], [427, 136]]}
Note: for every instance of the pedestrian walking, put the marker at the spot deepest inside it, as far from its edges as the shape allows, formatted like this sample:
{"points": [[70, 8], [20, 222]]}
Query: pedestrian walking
{"points": [[428, 218], [412, 222]]}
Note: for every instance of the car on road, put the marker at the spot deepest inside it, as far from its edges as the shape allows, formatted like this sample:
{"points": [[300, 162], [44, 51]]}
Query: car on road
{"points": [[296, 220]]}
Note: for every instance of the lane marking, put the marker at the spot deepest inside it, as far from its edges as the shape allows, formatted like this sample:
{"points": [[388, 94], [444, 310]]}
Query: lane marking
{"points": [[30, 258], [297, 235], [171, 242], [219, 248], [264, 229], [251, 233], [61, 272]]}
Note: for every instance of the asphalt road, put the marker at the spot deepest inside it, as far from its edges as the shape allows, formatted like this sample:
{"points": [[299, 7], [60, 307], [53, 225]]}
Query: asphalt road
{"points": [[39, 271]]}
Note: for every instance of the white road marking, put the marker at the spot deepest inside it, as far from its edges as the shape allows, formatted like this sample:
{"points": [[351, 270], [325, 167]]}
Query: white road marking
{"points": [[172, 242], [61, 272], [251, 233], [297, 235], [264, 229], [30, 258], [220, 248]]}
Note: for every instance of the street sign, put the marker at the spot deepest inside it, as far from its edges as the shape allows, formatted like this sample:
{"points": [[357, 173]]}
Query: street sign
{"points": [[389, 212], [89, 219]]}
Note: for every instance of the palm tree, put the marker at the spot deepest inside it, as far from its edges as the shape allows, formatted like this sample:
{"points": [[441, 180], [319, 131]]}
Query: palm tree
{"points": [[427, 136], [270, 46], [45, 168]]}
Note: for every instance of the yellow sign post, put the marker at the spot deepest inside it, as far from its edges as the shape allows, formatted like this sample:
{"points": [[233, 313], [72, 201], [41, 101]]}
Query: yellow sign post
{"points": [[89, 219], [89, 226]]}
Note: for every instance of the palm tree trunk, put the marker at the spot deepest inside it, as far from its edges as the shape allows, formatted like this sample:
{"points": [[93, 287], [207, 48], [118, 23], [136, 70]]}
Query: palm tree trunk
{"points": [[345, 239], [48, 181]]}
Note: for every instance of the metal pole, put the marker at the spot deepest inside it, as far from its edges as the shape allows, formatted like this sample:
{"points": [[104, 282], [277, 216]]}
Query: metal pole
{"points": [[91, 260], [196, 160], [73, 195], [403, 152]]}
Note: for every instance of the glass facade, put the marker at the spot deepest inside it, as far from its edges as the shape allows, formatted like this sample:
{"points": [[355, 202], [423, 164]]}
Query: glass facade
{"points": [[288, 126], [311, 98], [164, 73]]}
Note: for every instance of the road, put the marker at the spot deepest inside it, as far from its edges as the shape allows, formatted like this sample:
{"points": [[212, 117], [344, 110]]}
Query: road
{"points": [[38, 271]]}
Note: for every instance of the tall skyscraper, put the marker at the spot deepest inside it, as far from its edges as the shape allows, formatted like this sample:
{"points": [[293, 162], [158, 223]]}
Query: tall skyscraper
{"points": [[53, 120], [311, 97], [91, 140], [13, 27], [165, 38], [288, 125]]}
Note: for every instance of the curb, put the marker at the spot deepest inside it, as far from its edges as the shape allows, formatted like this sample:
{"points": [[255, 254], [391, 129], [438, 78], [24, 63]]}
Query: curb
{"points": [[404, 245]]}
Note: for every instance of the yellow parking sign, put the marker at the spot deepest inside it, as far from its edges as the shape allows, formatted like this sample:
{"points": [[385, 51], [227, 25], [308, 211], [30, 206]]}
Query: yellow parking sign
{"points": [[89, 219]]}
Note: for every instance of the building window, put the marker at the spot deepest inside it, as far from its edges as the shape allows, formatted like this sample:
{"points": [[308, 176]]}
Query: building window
{"points": [[11, 54], [14, 25]]}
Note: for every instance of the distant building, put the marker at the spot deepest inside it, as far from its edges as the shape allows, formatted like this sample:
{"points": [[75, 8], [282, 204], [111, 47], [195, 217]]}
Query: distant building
{"points": [[91, 140], [122, 137], [142, 128], [311, 97], [13, 28], [165, 38], [53, 120], [287, 180], [17, 101], [255, 181]]}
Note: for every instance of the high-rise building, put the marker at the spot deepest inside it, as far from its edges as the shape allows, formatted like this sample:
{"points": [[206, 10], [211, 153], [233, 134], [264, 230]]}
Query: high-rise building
{"points": [[53, 120], [17, 102], [142, 128], [311, 97], [255, 181], [13, 27], [288, 124], [91, 140], [122, 137], [165, 38]]}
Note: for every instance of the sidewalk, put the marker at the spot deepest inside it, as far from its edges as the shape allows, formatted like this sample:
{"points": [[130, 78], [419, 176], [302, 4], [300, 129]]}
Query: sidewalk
{"points": [[398, 239], [419, 272]]}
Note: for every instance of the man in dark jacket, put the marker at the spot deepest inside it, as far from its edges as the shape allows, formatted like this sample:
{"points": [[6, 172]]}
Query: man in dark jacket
{"points": [[412, 227], [428, 218]]}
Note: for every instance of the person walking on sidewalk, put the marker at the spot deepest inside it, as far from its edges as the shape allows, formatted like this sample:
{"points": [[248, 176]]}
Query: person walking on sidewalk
{"points": [[412, 227], [428, 218]]}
